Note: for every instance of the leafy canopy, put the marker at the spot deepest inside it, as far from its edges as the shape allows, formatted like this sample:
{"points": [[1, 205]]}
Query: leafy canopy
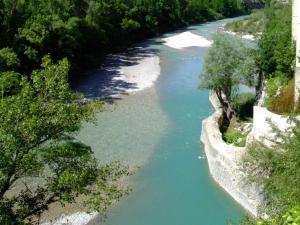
{"points": [[83, 29], [227, 65], [41, 162]]}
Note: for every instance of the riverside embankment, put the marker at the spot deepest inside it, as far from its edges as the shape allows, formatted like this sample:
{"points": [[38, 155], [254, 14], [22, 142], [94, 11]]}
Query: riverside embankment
{"points": [[225, 162]]}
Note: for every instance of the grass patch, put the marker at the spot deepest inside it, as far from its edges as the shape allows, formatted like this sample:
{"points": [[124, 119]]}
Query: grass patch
{"points": [[281, 96], [235, 137], [237, 130]]}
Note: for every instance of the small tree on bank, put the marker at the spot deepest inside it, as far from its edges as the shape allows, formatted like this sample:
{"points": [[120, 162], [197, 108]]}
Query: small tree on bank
{"points": [[41, 162], [228, 64]]}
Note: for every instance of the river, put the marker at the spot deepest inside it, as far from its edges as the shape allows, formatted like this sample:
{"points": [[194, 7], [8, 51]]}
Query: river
{"points": [[158, 129]]}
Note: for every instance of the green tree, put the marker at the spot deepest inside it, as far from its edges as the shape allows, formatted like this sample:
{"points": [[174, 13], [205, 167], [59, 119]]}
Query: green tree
{"points": [[81, 29], [276, 48], [41, 162], [227, 65]]}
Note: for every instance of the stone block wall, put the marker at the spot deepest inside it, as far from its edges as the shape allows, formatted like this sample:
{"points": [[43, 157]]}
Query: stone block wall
{"points": [[224, 163]]}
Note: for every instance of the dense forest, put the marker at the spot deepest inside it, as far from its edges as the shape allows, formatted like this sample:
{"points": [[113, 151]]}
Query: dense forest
{"points": [[83, 30]]}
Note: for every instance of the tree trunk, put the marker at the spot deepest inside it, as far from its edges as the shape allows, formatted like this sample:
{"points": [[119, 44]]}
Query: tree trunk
{"points": [[230, 113], [226, 106], [260, 86]]}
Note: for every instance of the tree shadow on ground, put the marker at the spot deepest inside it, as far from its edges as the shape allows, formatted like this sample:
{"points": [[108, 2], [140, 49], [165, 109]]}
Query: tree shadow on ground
{"points": [[104, 83]]}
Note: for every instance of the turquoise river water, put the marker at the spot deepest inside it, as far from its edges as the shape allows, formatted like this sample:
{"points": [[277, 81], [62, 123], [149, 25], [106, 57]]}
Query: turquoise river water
{"points": [[158, 129]]}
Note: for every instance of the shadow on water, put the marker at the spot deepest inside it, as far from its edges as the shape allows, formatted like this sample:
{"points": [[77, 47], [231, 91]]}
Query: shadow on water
{"points": [[106, 82]]}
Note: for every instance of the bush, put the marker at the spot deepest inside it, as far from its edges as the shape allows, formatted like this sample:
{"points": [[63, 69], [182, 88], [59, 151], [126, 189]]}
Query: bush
{"points": [[292, 217], [235, 137], [281, 95], [277, 170]]}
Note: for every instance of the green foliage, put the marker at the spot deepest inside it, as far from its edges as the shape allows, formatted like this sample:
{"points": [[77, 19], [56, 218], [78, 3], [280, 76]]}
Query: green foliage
{"points": [[9, 83], [280, 95], [129, 25], [235, 137], [252, 24], [81, 29], [292, 217], [220, 66], [9, 80], [227, 65], [276, 48], [277, 58], [277, 171], [8, 59], [274, 84], [247, 220], [39, 154]]}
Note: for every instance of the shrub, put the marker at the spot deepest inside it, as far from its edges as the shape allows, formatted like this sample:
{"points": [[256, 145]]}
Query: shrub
{"points": [[235, 137], [277, 170], [280, 95], [292, 217]]}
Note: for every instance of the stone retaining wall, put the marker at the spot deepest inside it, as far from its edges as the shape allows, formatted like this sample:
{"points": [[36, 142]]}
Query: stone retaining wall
{"points": [[224, 163], [262, 125]]}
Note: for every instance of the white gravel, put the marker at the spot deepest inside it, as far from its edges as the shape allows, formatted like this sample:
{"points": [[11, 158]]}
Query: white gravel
{"points": [[79, 218], [185, 40], [143, 74]]}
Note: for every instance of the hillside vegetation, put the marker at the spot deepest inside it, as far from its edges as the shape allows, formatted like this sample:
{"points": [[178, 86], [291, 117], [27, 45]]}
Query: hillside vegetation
{"points": [[83, 29], [277, 169]]}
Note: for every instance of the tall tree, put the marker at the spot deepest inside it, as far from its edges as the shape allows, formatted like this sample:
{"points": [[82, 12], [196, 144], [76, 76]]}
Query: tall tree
{"points": [[227, 65], [41, 162]]}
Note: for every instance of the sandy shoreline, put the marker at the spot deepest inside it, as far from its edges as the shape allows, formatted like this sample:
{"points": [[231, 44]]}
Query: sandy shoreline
{"points": [[143, 74], [120, 74]]}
